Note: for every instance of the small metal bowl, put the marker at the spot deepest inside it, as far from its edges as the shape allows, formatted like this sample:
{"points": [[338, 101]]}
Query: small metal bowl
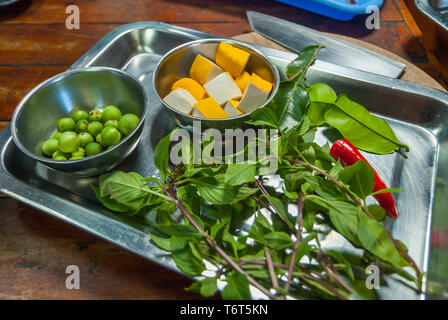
{"points": [[35, 118], [175, 65]]}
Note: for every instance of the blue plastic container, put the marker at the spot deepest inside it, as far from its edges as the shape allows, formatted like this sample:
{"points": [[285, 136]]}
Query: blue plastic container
{"points": [[336, 9]]}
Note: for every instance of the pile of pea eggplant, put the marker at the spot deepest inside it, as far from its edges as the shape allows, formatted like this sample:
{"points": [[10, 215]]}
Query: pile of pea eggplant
{"points": [[88, 134]]}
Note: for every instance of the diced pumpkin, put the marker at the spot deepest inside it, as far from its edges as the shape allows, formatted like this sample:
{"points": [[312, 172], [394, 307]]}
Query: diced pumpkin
{"points": [[192, 86], [231, 58], [203, 70], [243, 80], [264, 85], [210, 108]]}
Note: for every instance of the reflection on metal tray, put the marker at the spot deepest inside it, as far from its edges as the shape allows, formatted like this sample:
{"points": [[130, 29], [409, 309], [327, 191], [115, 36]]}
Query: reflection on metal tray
{"points": [[417, 114], [437, 10]]}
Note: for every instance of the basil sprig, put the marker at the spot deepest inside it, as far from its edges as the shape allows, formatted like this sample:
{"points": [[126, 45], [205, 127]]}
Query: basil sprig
{"points": [[245, 233]]}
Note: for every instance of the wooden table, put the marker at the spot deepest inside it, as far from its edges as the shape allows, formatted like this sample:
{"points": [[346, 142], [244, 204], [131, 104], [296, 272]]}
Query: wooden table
{"points": [[35, 249]]}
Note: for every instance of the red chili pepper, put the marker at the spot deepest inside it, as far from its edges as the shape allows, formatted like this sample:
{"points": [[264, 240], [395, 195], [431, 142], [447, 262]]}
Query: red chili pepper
{"points": [[348, 154]]}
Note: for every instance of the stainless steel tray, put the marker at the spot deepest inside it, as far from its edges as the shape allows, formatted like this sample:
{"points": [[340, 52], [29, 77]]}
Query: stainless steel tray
{"points": [[416, 113], [437, 10]]}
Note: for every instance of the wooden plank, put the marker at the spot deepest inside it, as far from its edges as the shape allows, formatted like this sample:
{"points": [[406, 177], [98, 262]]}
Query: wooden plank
{"points": [[15, 82], [55, 45], [53, 11], [35, 250], [390, 12], [434, 39], [3, 124], [47, 44], [431, 70], [408, 18]]}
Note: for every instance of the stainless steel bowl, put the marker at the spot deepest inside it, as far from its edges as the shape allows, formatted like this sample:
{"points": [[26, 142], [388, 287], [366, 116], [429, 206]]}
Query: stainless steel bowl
{"points": [[36, 116], [176, 64]]}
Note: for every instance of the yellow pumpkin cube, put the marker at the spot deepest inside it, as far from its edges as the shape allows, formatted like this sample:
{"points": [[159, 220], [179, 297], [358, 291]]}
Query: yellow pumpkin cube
{"points": [[243, 80], [203, 70], [264, 85], [209, 108], [192, 86], [231, 59]]}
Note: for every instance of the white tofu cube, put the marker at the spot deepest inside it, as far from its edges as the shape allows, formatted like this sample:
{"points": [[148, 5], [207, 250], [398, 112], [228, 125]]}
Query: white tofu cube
{"points": [[197, 113], [230, 109], [181, 100], [222, 88], [253, 98]]}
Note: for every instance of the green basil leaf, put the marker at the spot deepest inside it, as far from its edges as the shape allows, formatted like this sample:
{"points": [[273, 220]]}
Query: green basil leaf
{"points": [[341, 259], [364, 232], [240, 173], [209, 287], [386, 191], [334, 171], [216, 191], [303, 248], [325, 188], [344, 217], [374, 239], [194, 287], [177, 243], [162, 243], [377, 212], [236, 246], [109, 203], [162, 154], [178, 230], [366, 131], [123, 192], [264, 224], [359, 177], [362, 291], [282, 210], [298, 67], [257, 273], [237, 287], [189, 195], [217, 227], [309, 218], [188, 262], [278, 240], [152, 179]]}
